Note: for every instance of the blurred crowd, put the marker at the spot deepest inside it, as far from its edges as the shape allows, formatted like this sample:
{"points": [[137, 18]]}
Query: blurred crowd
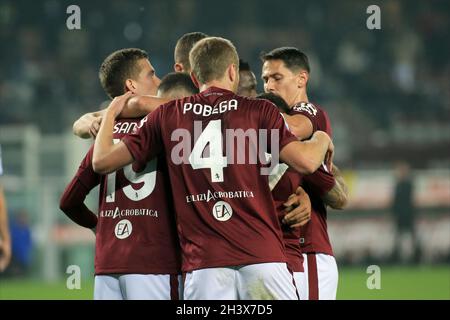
{"points": [[385, 90]]}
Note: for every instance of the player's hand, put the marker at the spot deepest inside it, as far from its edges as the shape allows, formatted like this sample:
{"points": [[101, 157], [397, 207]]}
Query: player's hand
{"points": [[116, 106], [5, 254], [95, 126], [298, 209]]}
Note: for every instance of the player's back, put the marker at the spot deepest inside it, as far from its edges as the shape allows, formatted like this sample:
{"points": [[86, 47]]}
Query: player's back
{"points": [[136, 231], [226, 215]]}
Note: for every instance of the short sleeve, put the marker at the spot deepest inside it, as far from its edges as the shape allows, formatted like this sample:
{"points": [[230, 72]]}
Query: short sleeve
{"points": [[146, 142], [318, 117]]}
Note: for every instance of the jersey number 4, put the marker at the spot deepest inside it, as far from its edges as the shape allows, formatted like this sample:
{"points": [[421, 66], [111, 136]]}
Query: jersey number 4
{"points": [[212, 135]]}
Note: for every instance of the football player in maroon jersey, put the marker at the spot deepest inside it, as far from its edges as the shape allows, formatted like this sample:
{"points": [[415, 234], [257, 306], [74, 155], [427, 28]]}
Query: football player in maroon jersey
{"points": [[137, 249], [286, 73]]}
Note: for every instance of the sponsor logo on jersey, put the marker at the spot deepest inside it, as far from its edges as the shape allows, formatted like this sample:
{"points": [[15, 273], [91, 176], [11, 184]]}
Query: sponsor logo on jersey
{"points": [[222, 211], [306, 107], [215, 195], [119, 213], [123, 229]]}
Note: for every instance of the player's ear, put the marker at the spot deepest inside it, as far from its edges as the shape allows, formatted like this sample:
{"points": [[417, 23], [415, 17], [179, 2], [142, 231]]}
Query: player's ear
{"points": [[194, 80], [129, 84], [178, 67], [233, 73], [302, 78]]}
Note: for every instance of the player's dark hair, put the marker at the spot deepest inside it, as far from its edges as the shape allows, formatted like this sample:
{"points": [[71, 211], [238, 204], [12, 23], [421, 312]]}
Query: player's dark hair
{"points": [[118, 67], [244, 65], [293, 58], [176, 81], [247, 80], [184, 46], [276, 100]]}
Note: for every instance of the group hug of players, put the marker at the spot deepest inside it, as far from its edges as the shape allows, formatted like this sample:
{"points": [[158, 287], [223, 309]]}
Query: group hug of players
{"points": [[176, 219]]}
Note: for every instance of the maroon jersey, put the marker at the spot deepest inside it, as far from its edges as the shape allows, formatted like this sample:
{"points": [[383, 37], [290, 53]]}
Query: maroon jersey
{"points": [[314, 235], [283, 182], [225, 214], [136, 231]]}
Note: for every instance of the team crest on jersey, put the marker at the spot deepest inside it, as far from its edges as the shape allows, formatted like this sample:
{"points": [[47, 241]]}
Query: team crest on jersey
{"points": [[222, 211], [123, 229], [306, 107]]}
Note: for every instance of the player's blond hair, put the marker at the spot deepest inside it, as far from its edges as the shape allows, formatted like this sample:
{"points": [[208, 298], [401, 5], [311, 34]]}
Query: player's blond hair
{"points": [[210, 58]]}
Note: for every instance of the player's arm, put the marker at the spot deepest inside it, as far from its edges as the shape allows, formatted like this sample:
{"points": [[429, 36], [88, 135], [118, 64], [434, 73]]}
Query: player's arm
{"points": [[5, 239], [139, 106], [88, 124], [337, 197], [307, 156], [72, 204], [72, 200], [109, 157], [300, 125], [329, 185]]}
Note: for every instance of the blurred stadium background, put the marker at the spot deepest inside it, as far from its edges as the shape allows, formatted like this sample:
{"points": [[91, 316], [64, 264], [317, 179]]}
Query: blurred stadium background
{"points": [[387, 93]]}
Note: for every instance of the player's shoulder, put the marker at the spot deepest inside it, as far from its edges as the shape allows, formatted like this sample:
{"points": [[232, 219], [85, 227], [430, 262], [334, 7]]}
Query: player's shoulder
{"points": [[178, 103], [315, 113], [257, 103], [308, 108], [256, 107], [305, 107], [159, 113], [255, 100]]}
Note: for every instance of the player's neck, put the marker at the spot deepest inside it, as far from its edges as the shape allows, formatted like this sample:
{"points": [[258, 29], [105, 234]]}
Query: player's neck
{"points": [[302, 96], [218, 84]]}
